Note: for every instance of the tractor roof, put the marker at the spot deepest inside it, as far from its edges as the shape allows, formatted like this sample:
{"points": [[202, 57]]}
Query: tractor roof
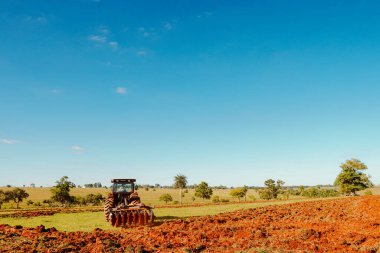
{"points": [[123, 180]]}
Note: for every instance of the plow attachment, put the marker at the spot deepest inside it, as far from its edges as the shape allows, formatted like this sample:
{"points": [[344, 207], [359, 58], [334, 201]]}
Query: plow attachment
{"points": [[131, 216]]}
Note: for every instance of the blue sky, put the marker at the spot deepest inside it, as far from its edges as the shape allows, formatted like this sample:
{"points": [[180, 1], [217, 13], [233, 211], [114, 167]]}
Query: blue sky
{"points": [[230, 92]]}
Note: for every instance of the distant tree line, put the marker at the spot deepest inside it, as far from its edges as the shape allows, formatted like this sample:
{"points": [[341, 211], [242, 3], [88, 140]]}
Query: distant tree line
{"points": [[350, 180], [94, 185]]}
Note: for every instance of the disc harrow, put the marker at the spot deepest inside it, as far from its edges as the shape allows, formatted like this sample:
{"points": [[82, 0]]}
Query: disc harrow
{"points": [[131, 217]]}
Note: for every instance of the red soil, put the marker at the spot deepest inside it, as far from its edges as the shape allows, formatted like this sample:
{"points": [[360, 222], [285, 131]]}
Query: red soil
{"points": [[340, 225]]}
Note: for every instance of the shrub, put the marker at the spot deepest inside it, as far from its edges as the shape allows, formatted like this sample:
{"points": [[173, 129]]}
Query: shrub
{"points": [[216, 199], [252, 197], [224, 200], [368, 192], [37, 204], [94, 199], [265, 194], [239, 192], [48, 202], [166, 197], [314, 192], [175, 202]]}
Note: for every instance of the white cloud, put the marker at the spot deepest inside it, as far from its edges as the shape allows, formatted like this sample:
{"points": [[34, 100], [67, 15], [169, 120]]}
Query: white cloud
{"points": [[141, 53], [121, 90], [97, 38], [55, 91], [37, 20], [103, 30], [168, 26], [114, 45], [77, 148], [8, 141], [205, 14], [144, 32]]}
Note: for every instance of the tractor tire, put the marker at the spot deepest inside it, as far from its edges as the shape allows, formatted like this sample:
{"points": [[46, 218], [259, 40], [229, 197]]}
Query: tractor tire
{"points": [[108, 205]]}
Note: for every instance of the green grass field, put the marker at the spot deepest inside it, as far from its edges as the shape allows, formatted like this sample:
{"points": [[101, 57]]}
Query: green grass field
{"points": [[88, 221], [150, 197]]}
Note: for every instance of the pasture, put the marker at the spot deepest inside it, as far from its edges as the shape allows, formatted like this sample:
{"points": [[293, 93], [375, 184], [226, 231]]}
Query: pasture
{"points": [[149, 197]]}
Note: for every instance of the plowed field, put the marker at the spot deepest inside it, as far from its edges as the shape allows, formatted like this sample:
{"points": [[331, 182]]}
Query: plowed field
{"points": [[340, 225]]}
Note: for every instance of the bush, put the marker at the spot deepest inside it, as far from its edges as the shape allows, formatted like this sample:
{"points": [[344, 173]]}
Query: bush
{"points": [[93, 199], [252, 197], [314, 192], [224, 200], [368, 192], [175, 202], [29, 202], [48, 202], [216, 199], [166, 197], [239, 192], [265, 194], [186, 191]]}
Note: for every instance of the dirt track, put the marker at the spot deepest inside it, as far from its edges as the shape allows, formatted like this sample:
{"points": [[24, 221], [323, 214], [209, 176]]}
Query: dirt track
{"points": [[342, 225]]}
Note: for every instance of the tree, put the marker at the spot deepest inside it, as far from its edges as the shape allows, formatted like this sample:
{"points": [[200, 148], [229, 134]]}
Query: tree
{"points": [[17, 195], [351, 179], [272, 190], [61, 192], [203, 191], [166, 197], [180, 182], [245, 190], [239, 192], [3, 198]]}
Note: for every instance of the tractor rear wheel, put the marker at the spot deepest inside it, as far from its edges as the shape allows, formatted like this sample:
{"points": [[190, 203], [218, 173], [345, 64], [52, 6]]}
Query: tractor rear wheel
{"points": [[108, 205]]}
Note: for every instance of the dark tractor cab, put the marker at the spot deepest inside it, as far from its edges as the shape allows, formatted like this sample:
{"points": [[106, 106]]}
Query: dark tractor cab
{"points": [[123, 185], [124, 193]]}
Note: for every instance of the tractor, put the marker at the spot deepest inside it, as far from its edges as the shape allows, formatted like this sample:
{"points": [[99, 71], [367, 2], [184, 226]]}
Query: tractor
{"points": [[123, 207]]}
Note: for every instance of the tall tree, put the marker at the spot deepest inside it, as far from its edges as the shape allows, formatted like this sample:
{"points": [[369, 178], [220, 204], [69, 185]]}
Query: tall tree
{"points": [[203, 191], [272, 190], [180, 182], [17, 195], [61, 191], [351, 178]]}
